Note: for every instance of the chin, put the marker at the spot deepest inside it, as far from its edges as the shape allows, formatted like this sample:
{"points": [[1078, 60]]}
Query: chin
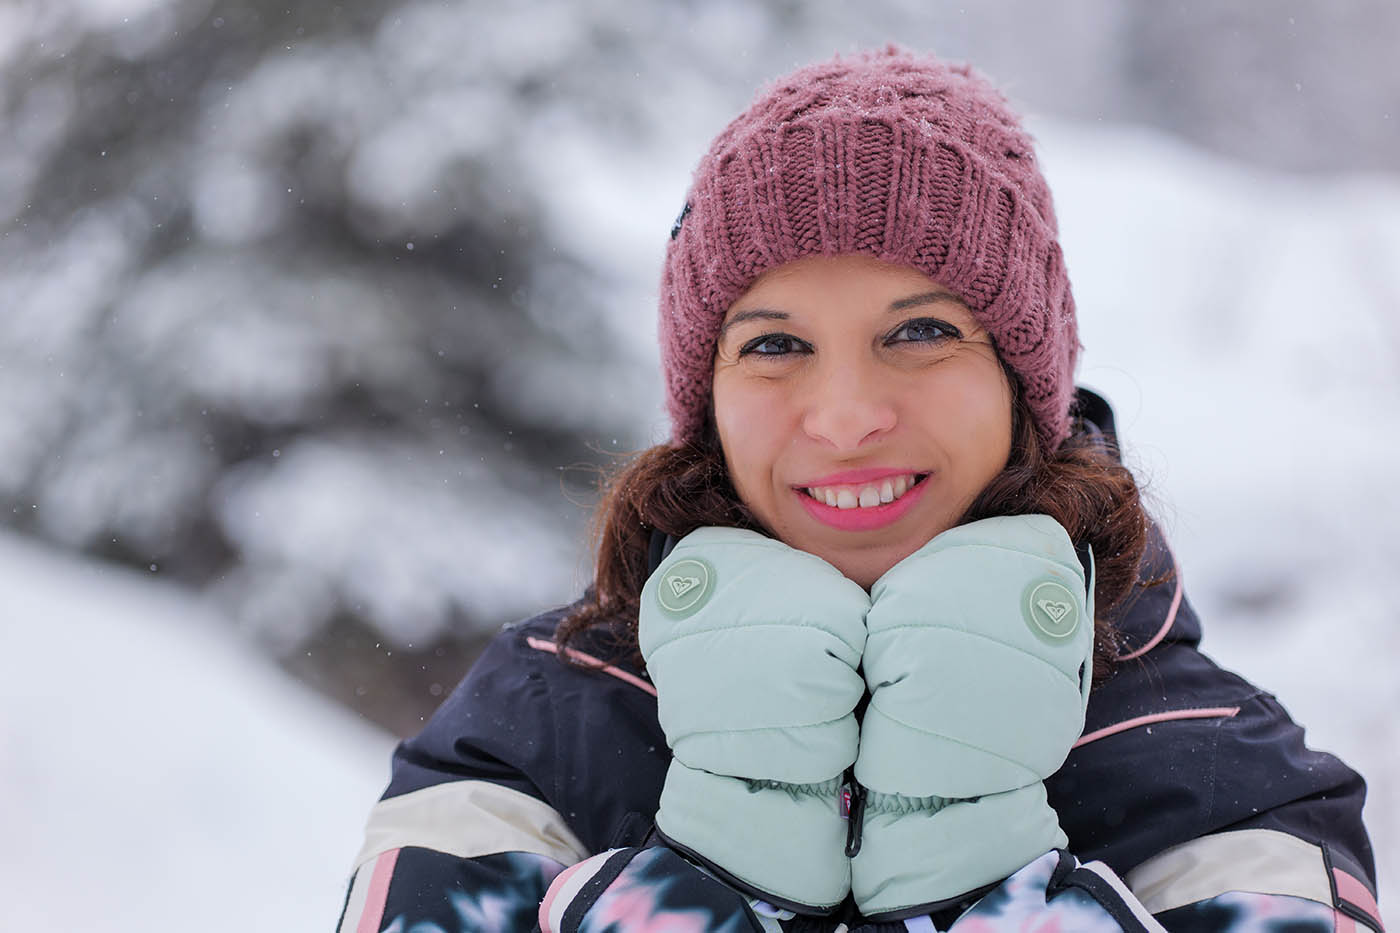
{"points": [[866, 565]]}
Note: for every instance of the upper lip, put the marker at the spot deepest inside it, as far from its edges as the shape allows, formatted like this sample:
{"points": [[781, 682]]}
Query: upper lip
{"points": [[857, 477]]}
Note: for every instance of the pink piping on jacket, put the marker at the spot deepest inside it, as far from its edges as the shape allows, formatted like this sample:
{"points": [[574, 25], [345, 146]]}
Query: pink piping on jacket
{"points": [[1355, 893], [1223, 712], [1166, 626], [540, 644], [1212, 712], [378, 893]]}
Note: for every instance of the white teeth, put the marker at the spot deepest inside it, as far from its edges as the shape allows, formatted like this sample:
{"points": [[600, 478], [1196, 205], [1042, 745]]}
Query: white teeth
{"points": [[864, 497]]}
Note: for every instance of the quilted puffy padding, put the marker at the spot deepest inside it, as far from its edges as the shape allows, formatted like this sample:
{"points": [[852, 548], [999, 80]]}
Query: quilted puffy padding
{"points": [[978, 660], [754, 649], [759, 680], [977, 687]]}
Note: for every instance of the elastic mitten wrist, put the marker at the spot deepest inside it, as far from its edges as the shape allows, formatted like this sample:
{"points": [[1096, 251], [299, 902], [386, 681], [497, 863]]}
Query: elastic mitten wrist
{"points": [[754, 649], [978, 661], [782, 842]]}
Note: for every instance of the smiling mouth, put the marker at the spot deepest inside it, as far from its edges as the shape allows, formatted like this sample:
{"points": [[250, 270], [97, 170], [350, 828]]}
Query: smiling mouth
{"points": [[865, 495]]}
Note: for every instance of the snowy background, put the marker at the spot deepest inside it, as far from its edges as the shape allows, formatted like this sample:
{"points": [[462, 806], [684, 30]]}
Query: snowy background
{"points": [[316, 323]]}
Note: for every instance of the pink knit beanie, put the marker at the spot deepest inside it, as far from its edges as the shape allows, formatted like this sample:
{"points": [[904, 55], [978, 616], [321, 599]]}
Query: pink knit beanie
{"points": [[907, 159]]}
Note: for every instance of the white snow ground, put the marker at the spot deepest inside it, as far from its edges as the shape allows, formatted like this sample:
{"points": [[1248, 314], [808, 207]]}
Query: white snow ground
{"points": [[155, 773], [1246, 326]]}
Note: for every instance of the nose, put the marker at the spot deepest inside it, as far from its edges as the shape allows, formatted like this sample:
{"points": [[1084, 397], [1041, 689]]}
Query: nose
{"points": [[847, 408]]}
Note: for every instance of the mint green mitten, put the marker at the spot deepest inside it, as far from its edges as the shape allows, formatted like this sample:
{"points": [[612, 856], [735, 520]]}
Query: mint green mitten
{"points": [[978, 659], [754, 647]]}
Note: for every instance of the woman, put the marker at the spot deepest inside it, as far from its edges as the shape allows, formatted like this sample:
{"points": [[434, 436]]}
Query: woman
{"points": [[882, 639]]}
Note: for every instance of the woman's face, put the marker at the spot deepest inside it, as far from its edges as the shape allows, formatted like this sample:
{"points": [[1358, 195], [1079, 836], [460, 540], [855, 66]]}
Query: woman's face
{"points": [[861, 409]]}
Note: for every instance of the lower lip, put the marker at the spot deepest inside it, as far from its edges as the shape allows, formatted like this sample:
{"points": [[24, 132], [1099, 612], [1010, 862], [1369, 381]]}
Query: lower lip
{"points": [[858, 519]]}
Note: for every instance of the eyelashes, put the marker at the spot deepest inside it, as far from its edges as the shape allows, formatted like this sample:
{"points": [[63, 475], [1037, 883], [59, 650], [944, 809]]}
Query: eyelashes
{"points": [[920, 331], [778, 344], [931, 330]]}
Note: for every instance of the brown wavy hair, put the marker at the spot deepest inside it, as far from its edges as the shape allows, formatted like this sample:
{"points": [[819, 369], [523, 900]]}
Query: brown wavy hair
{"points": [[1083, 485]]}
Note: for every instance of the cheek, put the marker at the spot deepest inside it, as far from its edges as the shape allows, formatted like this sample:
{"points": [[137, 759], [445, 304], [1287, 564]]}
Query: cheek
{"points": [[743, 419], [995, 435], [980, 430]]}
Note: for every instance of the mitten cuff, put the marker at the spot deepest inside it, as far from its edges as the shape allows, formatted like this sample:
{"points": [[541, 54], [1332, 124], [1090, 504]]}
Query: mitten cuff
{"points": [[783, 842], [916, 852]]}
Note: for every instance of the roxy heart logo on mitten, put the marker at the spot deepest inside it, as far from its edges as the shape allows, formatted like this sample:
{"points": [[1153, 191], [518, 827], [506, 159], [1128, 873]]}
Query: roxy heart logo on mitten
{"points": [[1051, 611], [685, 586], [682, 585]]}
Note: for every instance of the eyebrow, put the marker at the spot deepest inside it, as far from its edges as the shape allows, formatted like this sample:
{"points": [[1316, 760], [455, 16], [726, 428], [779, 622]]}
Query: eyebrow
{"points": [[753, 314], [901, 304], [927, 298]]}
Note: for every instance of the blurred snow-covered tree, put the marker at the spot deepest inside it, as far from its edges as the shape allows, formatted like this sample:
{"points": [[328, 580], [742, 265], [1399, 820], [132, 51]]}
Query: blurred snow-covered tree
{"points": [[283, 315]]}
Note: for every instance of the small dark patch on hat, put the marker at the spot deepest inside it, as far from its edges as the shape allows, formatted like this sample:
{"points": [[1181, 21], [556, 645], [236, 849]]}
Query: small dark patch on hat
{"points": [[676, 227]]}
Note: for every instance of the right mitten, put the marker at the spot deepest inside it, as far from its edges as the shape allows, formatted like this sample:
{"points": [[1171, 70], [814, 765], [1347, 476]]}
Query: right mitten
{"points": [[754, 647], [978, 659]]}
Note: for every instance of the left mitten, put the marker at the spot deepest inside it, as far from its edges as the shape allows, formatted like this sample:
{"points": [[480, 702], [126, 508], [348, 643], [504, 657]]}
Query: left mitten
{"points": [[754, 647], [978, 660]]}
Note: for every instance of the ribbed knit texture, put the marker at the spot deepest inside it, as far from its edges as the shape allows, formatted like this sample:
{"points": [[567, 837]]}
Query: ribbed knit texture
{"points": [[903, 158]]}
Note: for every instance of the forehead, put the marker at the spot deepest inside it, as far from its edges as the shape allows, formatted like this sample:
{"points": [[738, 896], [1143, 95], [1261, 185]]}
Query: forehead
{"points": [[815, 284]]}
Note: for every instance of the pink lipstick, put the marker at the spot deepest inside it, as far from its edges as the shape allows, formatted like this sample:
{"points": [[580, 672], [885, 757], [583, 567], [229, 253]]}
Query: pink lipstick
{"points": [[861, 519]]}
